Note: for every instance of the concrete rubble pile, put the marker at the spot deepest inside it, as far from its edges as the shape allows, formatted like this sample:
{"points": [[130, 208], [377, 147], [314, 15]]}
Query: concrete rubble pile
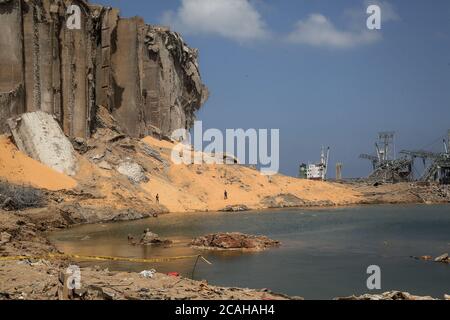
{"points": [[444, 258], [234, 241], [111, 149], [132, 171], [390, 295], [145, 75], [392, 171], [150, 238]]}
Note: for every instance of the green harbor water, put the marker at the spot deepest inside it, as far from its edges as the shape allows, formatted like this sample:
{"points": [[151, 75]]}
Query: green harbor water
{"points": [[324, 254]]}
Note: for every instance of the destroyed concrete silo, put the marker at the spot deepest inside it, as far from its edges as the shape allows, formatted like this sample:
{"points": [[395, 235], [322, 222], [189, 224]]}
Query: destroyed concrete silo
{"points": [[145, 75]]}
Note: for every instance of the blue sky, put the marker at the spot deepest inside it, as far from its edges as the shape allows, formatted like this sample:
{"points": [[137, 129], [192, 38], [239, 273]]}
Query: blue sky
{"points": [[313, 70]]}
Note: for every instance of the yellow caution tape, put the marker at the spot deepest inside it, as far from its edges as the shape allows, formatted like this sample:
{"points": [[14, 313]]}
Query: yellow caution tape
{"points": [[99, 258], [12, 258]]}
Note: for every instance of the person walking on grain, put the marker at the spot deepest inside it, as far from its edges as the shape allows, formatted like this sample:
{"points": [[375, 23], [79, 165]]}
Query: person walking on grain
{"points": [[157, 198], [225, 195]]}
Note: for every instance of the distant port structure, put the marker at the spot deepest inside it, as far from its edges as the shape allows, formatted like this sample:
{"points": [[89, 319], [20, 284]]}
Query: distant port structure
{"points": [[386, 167], [316, 171]]}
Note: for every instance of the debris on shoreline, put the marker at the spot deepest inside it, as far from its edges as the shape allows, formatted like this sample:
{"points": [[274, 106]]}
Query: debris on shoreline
{"points": [[234, 241], [288, 200], [390, 295], [443, 258], [235, 208]]}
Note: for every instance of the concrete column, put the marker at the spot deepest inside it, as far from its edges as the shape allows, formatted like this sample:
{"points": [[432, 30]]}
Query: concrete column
{"points": [[125, 62], [74, 65], [11, 61], [11, 55]]}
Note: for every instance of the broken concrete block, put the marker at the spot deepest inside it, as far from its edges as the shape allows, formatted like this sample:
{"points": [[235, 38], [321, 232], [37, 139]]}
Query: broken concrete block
{"points": [[104, 165], [38, 135], [149, 151], [98, 157], [442, 258], [133, 171]]}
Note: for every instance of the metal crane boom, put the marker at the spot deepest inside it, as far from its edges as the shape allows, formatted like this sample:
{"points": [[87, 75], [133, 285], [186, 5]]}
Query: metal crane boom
{"points": [[370, 157], [420, 154]]}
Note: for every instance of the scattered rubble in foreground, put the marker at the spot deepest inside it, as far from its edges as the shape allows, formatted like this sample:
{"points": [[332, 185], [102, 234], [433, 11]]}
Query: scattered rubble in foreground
{"points": [[391, 295], [40, 278], [234, 241], [43, 280]]}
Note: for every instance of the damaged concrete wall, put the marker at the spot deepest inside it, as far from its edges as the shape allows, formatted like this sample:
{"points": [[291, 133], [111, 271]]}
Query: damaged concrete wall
{"points": [[170, 63], [125, 65], [11, 61], [11, 56], [152, 81], [145, 75], [78, 60], [11, 103]]}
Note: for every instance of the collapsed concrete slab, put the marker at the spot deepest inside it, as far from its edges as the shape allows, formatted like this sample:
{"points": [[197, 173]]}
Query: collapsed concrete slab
{"points": [[38, 135]]}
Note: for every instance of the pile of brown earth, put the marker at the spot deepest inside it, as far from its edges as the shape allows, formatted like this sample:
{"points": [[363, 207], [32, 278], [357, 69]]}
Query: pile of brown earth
{"points": [[234, 241]]}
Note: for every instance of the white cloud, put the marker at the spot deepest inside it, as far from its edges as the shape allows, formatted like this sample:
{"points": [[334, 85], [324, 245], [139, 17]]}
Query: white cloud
{"points": [[318, 31], [233, 19]]}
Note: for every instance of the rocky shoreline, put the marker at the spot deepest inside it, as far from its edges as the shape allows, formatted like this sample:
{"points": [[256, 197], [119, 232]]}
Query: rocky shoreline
{"points": [[27, 271], [391, 295], [62, 209]]}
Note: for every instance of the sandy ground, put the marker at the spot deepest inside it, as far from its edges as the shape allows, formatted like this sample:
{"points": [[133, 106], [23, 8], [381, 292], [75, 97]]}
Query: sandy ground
{"points": [[99, 193], [19, 169], [201, 187], [181, 188]]}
